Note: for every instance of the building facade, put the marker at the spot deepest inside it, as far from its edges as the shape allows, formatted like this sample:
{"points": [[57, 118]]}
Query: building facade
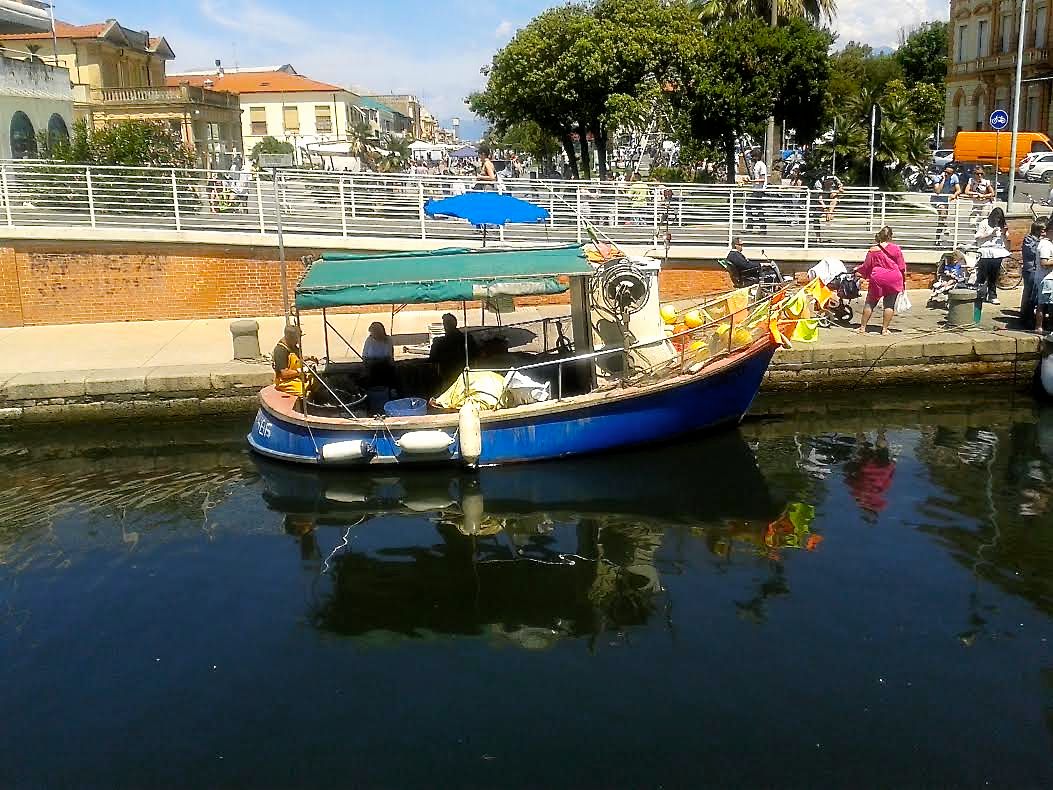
{"points": [[981, 65], [119, 74], [277, 102]]}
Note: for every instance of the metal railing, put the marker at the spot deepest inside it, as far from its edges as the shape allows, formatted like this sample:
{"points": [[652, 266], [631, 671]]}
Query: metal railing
{"points": [[172, 94], [347, 205]]}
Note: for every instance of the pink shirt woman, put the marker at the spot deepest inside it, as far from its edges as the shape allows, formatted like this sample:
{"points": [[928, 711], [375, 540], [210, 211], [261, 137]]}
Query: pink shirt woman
{"points": [[886, 270]]}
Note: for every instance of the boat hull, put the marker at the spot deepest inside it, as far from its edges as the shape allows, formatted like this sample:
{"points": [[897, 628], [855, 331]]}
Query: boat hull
{"points": [[655, 414]]}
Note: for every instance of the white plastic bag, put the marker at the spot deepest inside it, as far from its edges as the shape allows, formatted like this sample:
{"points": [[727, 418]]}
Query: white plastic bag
{"points": [[903, 304]]}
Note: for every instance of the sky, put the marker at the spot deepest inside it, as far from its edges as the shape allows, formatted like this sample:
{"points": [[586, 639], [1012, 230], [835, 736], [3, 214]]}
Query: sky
{"points": [[431, 49]]}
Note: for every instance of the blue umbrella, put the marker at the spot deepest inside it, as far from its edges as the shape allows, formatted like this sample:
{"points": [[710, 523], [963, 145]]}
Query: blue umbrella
{"points": [[486, 208]]}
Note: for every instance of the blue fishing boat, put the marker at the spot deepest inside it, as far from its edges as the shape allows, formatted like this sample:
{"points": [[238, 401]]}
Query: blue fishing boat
{"points": [[625, 376]]}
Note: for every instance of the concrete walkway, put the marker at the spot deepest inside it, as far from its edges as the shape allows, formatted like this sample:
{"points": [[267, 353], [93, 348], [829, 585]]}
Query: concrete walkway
{"points": [[131, 368]]}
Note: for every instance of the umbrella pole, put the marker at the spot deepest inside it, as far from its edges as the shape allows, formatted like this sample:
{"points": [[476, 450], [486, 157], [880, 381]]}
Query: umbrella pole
{"points": [[484, 235]]}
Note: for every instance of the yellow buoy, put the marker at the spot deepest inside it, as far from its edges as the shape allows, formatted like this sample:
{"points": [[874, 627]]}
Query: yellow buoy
{"points": [[668, 313], [741, 337], [693, 319]]}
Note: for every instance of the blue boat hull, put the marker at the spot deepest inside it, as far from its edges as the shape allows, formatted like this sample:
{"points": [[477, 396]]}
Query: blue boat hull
{"points": [[654, 415]]}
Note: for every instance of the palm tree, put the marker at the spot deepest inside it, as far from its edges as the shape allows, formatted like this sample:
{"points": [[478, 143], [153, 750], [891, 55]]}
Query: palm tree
{"points": [[732, 10]]}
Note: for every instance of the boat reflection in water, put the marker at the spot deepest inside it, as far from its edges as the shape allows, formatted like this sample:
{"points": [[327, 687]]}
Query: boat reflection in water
{"points": [[530, 553]]}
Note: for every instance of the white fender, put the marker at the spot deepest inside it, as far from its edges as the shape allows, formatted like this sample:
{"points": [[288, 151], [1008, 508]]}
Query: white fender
{"points": [[424, 442], [351, 450], [1046, 371], [470, 430]]}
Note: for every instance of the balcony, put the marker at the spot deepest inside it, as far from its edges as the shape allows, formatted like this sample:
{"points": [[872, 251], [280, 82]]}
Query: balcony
{"points": [[1000, 62], [160, 96]]}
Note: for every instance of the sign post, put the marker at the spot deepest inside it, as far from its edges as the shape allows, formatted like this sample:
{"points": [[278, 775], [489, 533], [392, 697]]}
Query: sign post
{"points": [[274, 163], [999, 120]]}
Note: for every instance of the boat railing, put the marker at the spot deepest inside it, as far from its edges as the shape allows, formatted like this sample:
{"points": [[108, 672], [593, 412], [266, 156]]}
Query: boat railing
{"points": [[695, 347]]}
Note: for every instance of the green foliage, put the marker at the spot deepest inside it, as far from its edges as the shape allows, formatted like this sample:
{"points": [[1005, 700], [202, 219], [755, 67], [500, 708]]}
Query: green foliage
{"points": [[721, 11], [270, 145], [131, 143], [923, 54], [526, 137]]}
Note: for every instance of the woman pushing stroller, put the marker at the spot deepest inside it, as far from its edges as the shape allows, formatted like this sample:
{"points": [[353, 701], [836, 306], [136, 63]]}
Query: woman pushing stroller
{"points": [[886, 271]]}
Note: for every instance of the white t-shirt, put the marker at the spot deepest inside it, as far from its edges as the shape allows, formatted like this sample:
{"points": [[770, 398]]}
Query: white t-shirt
{"points": [[1045, 251], [760, 173], [377, 349], [980, 188]]}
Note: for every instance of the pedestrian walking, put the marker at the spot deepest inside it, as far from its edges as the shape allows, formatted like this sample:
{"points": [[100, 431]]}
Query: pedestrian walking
{"points": [[886, 272], [991, 239], [755, 210], [1029, 265]]}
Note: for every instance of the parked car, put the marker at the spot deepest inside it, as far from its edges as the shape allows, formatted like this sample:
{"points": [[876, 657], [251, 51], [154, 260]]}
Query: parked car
{"points": [[1021, 172], [1040, 169], [941, 156]]}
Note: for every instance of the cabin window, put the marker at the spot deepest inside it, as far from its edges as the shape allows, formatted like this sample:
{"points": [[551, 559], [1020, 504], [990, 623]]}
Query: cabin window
{"points": [[291, 118], [23, 137], [323, 118], [258, 121]]}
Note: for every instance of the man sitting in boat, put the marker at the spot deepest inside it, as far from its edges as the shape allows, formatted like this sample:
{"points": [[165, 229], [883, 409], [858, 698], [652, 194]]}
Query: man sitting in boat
{"points": [[452, 351], [287, 360]]}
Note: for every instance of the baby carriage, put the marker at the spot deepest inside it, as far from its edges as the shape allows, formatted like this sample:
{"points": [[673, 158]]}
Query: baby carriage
{"points": [[845, 286], [956, 269]]}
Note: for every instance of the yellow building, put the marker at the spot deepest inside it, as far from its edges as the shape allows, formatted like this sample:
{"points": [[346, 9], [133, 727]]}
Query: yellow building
{"points": [[118, 74], [982, 63]]}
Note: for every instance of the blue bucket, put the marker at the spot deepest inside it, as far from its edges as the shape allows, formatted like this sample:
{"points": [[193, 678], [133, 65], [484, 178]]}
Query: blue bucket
{"points": [[406, 407]]}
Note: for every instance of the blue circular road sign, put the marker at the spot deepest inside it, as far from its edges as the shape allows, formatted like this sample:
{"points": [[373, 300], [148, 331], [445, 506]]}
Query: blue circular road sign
{"points": [[999, 120]]}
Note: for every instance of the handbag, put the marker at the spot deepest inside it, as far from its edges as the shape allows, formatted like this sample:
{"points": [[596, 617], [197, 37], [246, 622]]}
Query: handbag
{"points": [[903, 304]]}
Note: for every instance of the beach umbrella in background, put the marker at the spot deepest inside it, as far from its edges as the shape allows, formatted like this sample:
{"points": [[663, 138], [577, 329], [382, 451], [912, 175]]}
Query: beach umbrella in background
{"points": [[464, 153], [486, 209]]}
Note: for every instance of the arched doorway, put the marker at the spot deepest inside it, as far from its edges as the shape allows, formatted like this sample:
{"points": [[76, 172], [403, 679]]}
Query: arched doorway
{"points": [[23, 137], [58, 132]]}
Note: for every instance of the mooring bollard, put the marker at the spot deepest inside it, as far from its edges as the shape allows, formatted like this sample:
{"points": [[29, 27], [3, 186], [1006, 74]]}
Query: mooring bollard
{"points": [[960, 307], [246, 334]]}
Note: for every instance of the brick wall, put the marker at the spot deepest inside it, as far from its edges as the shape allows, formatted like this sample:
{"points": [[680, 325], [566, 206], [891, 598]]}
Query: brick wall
{"points": [[69, 283]]}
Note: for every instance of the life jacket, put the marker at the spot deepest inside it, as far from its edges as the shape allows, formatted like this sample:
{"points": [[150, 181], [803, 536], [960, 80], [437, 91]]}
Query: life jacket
{"points": [[291, 384]]}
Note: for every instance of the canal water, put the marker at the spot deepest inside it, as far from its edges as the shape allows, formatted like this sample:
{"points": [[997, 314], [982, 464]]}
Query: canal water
{"points": [[858, 594]]}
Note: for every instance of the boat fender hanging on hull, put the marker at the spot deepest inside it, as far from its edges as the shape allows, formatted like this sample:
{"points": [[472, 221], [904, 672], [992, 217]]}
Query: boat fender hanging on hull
{"points": [[425, 442], [470, 433], [1045, 370], [351, 450]]}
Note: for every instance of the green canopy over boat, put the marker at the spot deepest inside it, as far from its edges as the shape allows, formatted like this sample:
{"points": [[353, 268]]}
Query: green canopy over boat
{"points": [[339, 279]]}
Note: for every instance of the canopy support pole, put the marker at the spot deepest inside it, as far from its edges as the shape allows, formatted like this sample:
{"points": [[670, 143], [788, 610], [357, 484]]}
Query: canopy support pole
{"points": [[346, 343], [325, 333]]}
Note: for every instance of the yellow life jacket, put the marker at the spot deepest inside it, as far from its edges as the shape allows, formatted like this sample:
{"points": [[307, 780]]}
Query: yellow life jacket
{"points": [[292, 384]]}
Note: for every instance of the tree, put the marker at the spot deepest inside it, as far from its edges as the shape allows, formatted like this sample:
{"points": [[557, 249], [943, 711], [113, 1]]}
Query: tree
{"points": [[270, 145], [746, 70], [720, 11], [922, 55], [131, 143]]}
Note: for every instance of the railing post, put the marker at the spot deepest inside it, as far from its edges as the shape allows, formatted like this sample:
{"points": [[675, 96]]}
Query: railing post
{"points": [[870, 200], [954, 241], [91, 196], [577, 210], [884, 197], [354, 211], [343, 214], [175, 200], [807, 216], [7, 195], [420, 208], [731, 216], [654, 213], [551, 206], [259, 203]]}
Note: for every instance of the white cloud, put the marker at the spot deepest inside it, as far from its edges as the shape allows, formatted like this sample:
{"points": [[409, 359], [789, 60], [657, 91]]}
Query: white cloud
{"points": [[879, 24], [504, 30]]}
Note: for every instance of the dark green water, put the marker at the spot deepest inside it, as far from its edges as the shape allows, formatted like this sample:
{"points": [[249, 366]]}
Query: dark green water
{"points": [[861, 596]]}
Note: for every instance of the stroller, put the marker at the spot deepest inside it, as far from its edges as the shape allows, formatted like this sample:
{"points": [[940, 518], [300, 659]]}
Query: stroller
{"points": [[956, 269], [837, 278]]}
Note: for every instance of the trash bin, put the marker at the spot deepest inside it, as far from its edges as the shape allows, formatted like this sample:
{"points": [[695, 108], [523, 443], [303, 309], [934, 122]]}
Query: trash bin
{"points": [[961, 304], [246, 335]]}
